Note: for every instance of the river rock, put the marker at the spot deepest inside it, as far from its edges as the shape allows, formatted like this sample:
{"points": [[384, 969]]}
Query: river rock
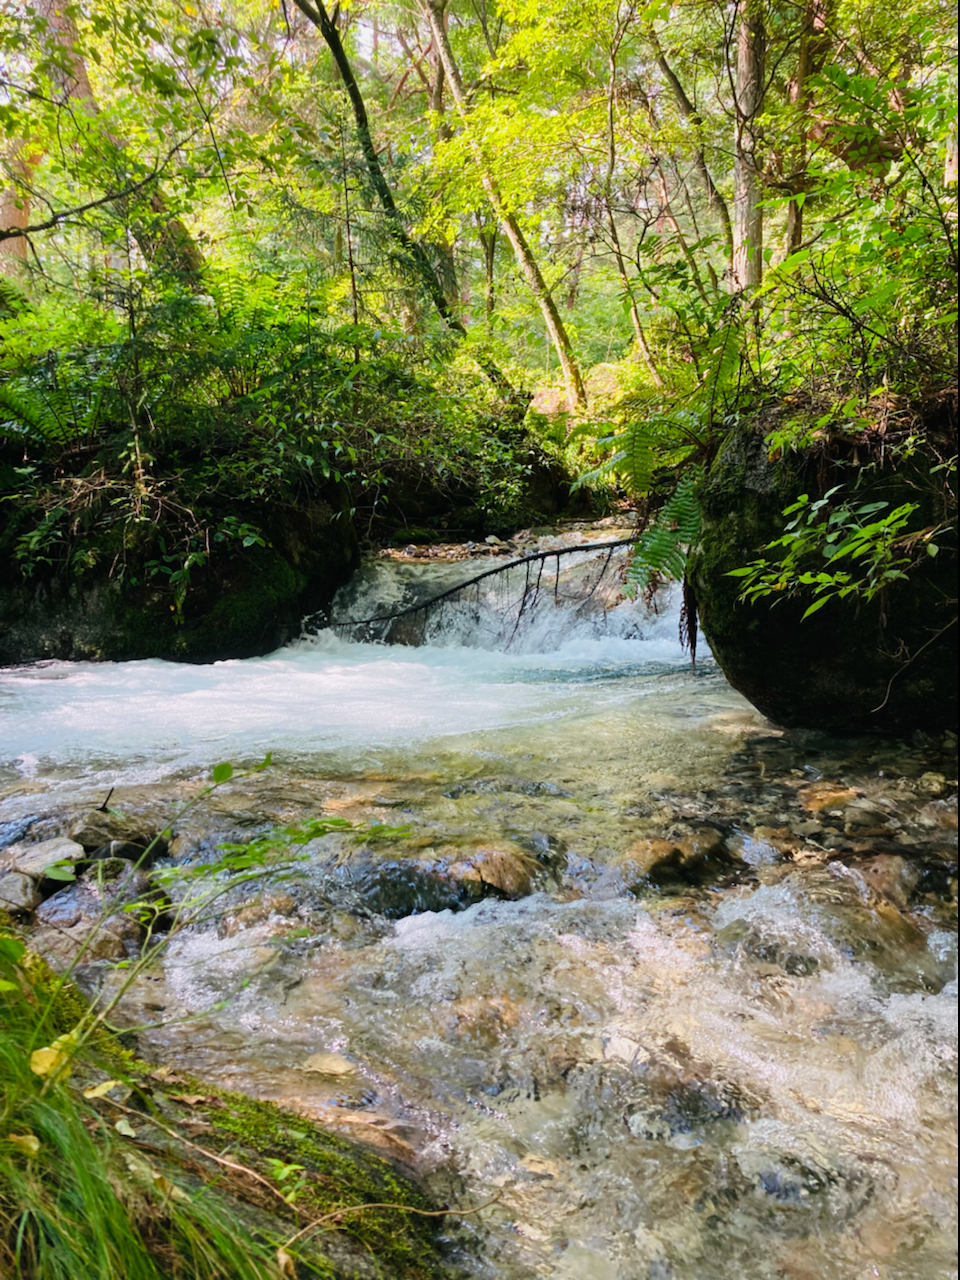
{"points": [[864, 817], [845, 668], [18, 893], [939, 814], [932, 784], [278, 907], [506, 873], [890, 876], [101, 828], [695, 858], [75, 916], [34, 859], [60, 946]]}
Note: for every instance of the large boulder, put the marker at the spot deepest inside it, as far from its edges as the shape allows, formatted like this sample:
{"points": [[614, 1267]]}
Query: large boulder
{"points": [[889, 665], [243, 601]]}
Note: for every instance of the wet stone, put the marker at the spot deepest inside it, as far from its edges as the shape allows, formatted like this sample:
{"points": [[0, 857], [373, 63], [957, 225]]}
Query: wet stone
{"points": [[695, 858], [98, 828], [117, 849], [506, 785], [34, 859], [890, 876], [743, 939], [18, 893], [11, 832], [395, 889]]}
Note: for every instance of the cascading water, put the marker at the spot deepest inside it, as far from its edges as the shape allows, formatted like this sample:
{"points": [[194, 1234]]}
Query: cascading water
{"points": [[746, 1073]]}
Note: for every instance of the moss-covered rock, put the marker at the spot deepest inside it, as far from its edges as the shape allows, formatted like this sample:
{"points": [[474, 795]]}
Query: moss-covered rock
{"points": [[888, 665], [241, 602]]}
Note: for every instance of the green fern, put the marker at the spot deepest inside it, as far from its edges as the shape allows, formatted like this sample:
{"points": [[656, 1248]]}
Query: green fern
{"points": [[32, 411], [645, 444], [662, 548], [12, 299], [723, 366]]}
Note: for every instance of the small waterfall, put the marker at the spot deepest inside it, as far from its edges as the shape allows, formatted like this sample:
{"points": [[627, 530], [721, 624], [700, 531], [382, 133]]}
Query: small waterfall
{"points": [[535, 605]]}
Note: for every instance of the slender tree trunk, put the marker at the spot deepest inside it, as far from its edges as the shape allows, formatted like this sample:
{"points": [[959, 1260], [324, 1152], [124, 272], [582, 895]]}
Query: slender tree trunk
{"points": [[799, 96], [643, 346], [715, 201], [447, 260], [488, 240], [573, 382], [15, 208], [747, 214], [318, 15]]}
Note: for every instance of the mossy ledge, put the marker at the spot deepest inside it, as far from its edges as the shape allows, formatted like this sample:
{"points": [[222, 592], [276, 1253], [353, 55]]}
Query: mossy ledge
{"points": [[199, 1142], [241, 602]]}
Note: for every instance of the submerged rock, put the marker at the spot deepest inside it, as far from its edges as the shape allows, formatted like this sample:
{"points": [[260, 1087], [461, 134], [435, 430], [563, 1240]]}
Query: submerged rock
{"points": [[697, 857]]}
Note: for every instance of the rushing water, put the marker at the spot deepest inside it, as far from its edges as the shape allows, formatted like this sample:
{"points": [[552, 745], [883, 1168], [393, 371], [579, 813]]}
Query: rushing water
{"points": [[747, 1078]]}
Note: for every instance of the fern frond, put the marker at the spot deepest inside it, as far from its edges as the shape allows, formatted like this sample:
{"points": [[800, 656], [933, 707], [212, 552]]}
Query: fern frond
{"points": [[32, 412], [723, 365], [12, 298], [662, 548]]}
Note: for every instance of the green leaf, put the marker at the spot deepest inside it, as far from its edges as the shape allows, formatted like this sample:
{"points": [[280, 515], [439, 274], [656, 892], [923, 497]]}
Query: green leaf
{"points": [[817, 604], [61, 871], [222, 772]]}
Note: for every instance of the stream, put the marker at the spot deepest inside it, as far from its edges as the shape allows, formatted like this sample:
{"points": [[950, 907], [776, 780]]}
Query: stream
{"points": [[677, 987]]}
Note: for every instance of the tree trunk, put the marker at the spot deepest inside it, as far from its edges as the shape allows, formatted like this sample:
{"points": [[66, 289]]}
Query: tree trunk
{"points": [[488, 239], [643, 345], [814, 47], [715, 201], [747, 214], [573, 382], [15, 209], [318, 15]]}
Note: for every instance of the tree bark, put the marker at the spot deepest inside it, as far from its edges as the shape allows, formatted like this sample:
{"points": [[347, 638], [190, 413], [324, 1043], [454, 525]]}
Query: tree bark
{"points": [[747, 214], [15, 206], [573, 381]]}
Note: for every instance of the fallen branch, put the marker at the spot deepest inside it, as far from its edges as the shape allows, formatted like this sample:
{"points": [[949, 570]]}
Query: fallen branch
{"points": [[479, 577]]}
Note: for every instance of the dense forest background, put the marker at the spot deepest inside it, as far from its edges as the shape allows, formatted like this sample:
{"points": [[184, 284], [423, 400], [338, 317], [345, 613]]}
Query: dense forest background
{"points": [[407, 260]]}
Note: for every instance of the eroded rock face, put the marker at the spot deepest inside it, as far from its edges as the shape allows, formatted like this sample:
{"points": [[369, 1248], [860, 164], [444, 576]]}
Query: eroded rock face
{"points": [[240, 604], [888, 666]]}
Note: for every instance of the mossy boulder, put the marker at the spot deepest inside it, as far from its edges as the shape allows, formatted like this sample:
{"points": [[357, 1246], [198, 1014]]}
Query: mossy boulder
{"points": [[889, 665], [242, 601]]}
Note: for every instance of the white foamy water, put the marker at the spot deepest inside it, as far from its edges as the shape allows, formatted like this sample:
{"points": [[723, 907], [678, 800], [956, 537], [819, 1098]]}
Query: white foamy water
{"points": [[326, 695]]}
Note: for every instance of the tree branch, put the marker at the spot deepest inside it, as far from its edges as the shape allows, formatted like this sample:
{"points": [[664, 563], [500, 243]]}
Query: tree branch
{"points": [[10, 233]]}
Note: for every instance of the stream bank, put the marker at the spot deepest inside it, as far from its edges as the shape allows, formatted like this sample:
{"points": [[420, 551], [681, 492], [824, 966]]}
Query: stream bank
{"points": [[677, 985]]}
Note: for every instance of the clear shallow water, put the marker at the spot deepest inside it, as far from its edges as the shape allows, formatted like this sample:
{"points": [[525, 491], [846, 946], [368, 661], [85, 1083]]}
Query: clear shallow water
{"points": [[750, 1080]]}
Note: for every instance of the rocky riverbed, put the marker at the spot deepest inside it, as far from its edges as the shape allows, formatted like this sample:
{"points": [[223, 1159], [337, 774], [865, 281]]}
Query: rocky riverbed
{"points": [[675, 989]]}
